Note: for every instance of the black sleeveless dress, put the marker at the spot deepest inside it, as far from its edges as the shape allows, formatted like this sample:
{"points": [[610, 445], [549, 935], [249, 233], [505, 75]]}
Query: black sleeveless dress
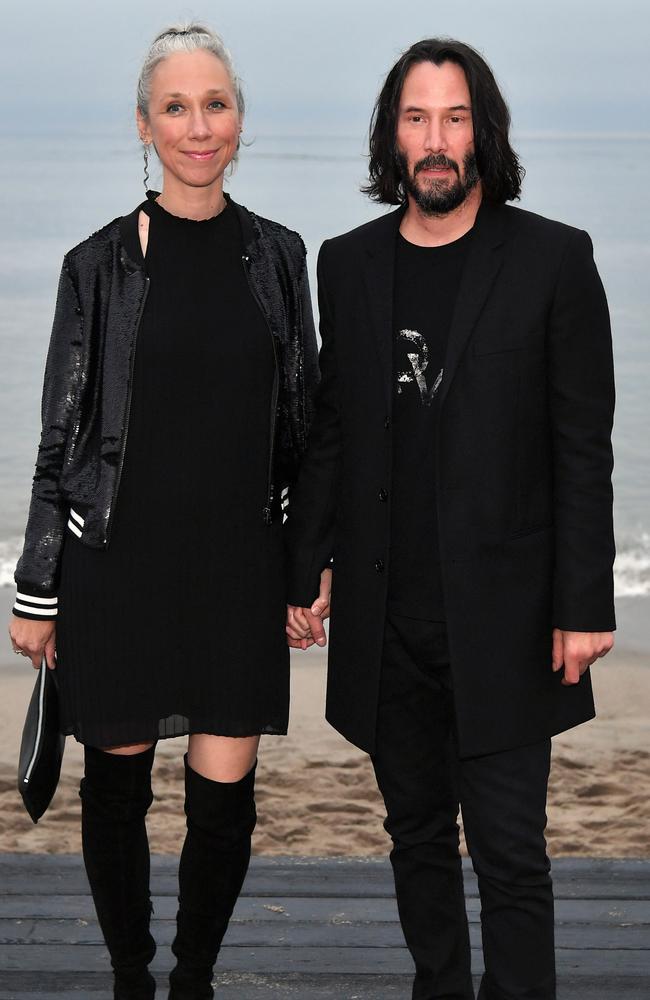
{"points": [[178, 626]]}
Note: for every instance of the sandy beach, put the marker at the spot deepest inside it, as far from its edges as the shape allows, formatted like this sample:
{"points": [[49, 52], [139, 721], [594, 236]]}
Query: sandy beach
{"points": [[316, 793]]}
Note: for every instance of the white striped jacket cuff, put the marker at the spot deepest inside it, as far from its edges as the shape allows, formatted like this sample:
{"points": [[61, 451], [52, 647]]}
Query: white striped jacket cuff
{"points": [[40, 608], [44, 608]]}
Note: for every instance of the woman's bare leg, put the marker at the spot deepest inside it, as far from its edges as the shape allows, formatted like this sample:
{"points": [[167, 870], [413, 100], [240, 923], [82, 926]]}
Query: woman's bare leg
{"points": [[129, 750], [222, 758]]}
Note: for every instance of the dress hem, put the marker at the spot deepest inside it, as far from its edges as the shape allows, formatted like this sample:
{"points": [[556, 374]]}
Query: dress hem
{"points": [[86, 738]]}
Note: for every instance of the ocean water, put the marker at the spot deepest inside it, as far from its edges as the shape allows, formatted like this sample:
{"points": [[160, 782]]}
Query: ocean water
{"points": [[55, 191]]}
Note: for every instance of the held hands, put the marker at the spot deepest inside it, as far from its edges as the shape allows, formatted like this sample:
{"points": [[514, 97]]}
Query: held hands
{"points": [[33, 639], [575, 651], [305, 625]]}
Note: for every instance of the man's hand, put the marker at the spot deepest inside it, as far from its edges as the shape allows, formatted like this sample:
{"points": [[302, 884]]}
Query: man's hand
{"points": [[34, 639], [305, 625], [575, 651]]}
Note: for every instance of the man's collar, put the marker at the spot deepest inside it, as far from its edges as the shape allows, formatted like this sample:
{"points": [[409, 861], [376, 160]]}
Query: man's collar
{"points": [[489, 226]]}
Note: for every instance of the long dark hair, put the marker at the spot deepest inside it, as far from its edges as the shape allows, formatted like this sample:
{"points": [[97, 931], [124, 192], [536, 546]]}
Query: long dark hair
{"points": [[498, 165]]}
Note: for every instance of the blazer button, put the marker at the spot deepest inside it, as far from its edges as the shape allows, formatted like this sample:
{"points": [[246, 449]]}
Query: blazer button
{"points": [[379, 565], [383, 495]]}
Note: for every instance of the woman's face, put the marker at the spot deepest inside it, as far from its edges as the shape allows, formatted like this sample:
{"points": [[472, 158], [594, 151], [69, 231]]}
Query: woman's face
{"points": [[193, 119]]}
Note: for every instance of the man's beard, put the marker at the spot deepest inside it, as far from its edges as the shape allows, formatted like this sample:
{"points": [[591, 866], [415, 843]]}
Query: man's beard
{"points": [[439, 197]]}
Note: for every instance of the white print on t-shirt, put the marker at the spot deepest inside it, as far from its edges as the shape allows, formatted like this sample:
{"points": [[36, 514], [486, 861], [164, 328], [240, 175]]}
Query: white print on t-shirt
{"points": [[419, 360]]}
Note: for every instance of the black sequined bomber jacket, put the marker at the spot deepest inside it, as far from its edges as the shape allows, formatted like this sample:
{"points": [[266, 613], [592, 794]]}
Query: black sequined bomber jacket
{"points": [[88, 377]]}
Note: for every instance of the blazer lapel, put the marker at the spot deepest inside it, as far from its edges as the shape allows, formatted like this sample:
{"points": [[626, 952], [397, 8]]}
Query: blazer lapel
{"points": [[479, 274], [379, 279]]}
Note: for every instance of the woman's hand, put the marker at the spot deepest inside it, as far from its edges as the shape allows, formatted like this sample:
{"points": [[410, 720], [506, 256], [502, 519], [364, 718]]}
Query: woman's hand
{"points": [[33, 639], [305, 625]]}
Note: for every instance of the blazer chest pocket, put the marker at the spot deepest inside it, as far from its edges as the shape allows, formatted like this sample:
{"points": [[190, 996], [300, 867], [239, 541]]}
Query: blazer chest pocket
{"points": [[505, 341]]}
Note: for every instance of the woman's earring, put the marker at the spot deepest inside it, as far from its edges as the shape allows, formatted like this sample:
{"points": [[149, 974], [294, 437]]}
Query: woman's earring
{"points": [[145, 153]]}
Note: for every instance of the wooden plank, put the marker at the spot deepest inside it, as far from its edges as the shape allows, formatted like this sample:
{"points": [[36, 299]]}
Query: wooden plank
{"points": [[299, 908], [169, 862], [321, 960], [256, 934], [332, 934], [232, 986], [91, 958], [40, 986], [324, 878]]}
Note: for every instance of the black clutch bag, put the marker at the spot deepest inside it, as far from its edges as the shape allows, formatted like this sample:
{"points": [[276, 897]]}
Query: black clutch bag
{"points": [[41, 746]]}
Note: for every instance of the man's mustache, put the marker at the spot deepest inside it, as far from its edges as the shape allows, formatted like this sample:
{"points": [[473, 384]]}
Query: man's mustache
{"points": [[430, 162]]}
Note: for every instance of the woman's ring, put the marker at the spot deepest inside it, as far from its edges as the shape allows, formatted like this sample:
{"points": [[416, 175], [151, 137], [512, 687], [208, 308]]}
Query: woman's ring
{"points": [[19, 652]]}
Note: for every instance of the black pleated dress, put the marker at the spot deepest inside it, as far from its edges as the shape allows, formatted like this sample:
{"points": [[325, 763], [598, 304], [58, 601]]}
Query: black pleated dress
{"points": [[178, 626]]}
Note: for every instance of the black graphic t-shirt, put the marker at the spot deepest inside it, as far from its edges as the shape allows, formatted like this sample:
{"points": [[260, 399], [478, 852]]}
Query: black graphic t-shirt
{"points": [[426, 287]]}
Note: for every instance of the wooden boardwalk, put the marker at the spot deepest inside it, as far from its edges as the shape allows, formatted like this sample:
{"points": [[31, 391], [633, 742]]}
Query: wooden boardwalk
{"points": [[311, 929]]}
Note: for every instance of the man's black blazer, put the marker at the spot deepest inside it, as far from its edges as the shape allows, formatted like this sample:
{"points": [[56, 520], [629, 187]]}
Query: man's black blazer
{"points": [[525, 462]]}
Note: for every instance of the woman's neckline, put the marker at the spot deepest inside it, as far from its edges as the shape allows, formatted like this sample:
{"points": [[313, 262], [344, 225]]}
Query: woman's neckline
{"points": [[153, 207]]}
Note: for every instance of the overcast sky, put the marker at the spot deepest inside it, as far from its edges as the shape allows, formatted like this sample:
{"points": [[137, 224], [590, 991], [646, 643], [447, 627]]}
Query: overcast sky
{"points": [[565, 65]]}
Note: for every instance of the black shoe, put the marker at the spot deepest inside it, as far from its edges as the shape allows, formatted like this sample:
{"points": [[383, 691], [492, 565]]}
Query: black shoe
{"points": [[139, 987]]}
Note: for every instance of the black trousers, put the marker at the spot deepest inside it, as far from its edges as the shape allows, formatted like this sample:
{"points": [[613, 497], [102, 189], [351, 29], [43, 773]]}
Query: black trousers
{"points": [[503, 801]]}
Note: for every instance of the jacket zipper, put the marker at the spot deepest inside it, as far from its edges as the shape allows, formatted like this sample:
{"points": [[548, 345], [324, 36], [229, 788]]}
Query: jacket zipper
{"points": [[267, 509], [128, 413]]}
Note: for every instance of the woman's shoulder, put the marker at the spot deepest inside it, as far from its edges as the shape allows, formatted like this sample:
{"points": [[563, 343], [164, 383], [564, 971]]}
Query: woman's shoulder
{"points": [[273, 236], [278, 231], [103, 246]]}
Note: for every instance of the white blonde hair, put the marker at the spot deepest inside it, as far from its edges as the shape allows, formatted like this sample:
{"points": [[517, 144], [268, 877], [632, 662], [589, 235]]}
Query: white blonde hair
{"points": [[185, 38]]}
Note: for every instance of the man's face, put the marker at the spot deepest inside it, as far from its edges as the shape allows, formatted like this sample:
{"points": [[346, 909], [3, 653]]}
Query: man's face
{"points": [[435, 137]]}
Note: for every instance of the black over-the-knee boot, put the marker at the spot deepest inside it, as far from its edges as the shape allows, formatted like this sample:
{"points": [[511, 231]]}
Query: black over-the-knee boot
{"points": [[115, 796], [220, 820]]}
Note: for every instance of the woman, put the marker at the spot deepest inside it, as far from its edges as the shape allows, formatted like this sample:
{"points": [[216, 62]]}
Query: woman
{"points": [[155, 523]]}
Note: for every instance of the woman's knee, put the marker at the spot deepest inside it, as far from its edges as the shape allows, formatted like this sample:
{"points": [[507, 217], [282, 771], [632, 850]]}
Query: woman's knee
{"points": [[222, 758], [220, 812]]}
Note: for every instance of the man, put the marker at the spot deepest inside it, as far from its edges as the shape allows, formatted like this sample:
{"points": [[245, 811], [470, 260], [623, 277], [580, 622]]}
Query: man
{"points": [[459, 476]]}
